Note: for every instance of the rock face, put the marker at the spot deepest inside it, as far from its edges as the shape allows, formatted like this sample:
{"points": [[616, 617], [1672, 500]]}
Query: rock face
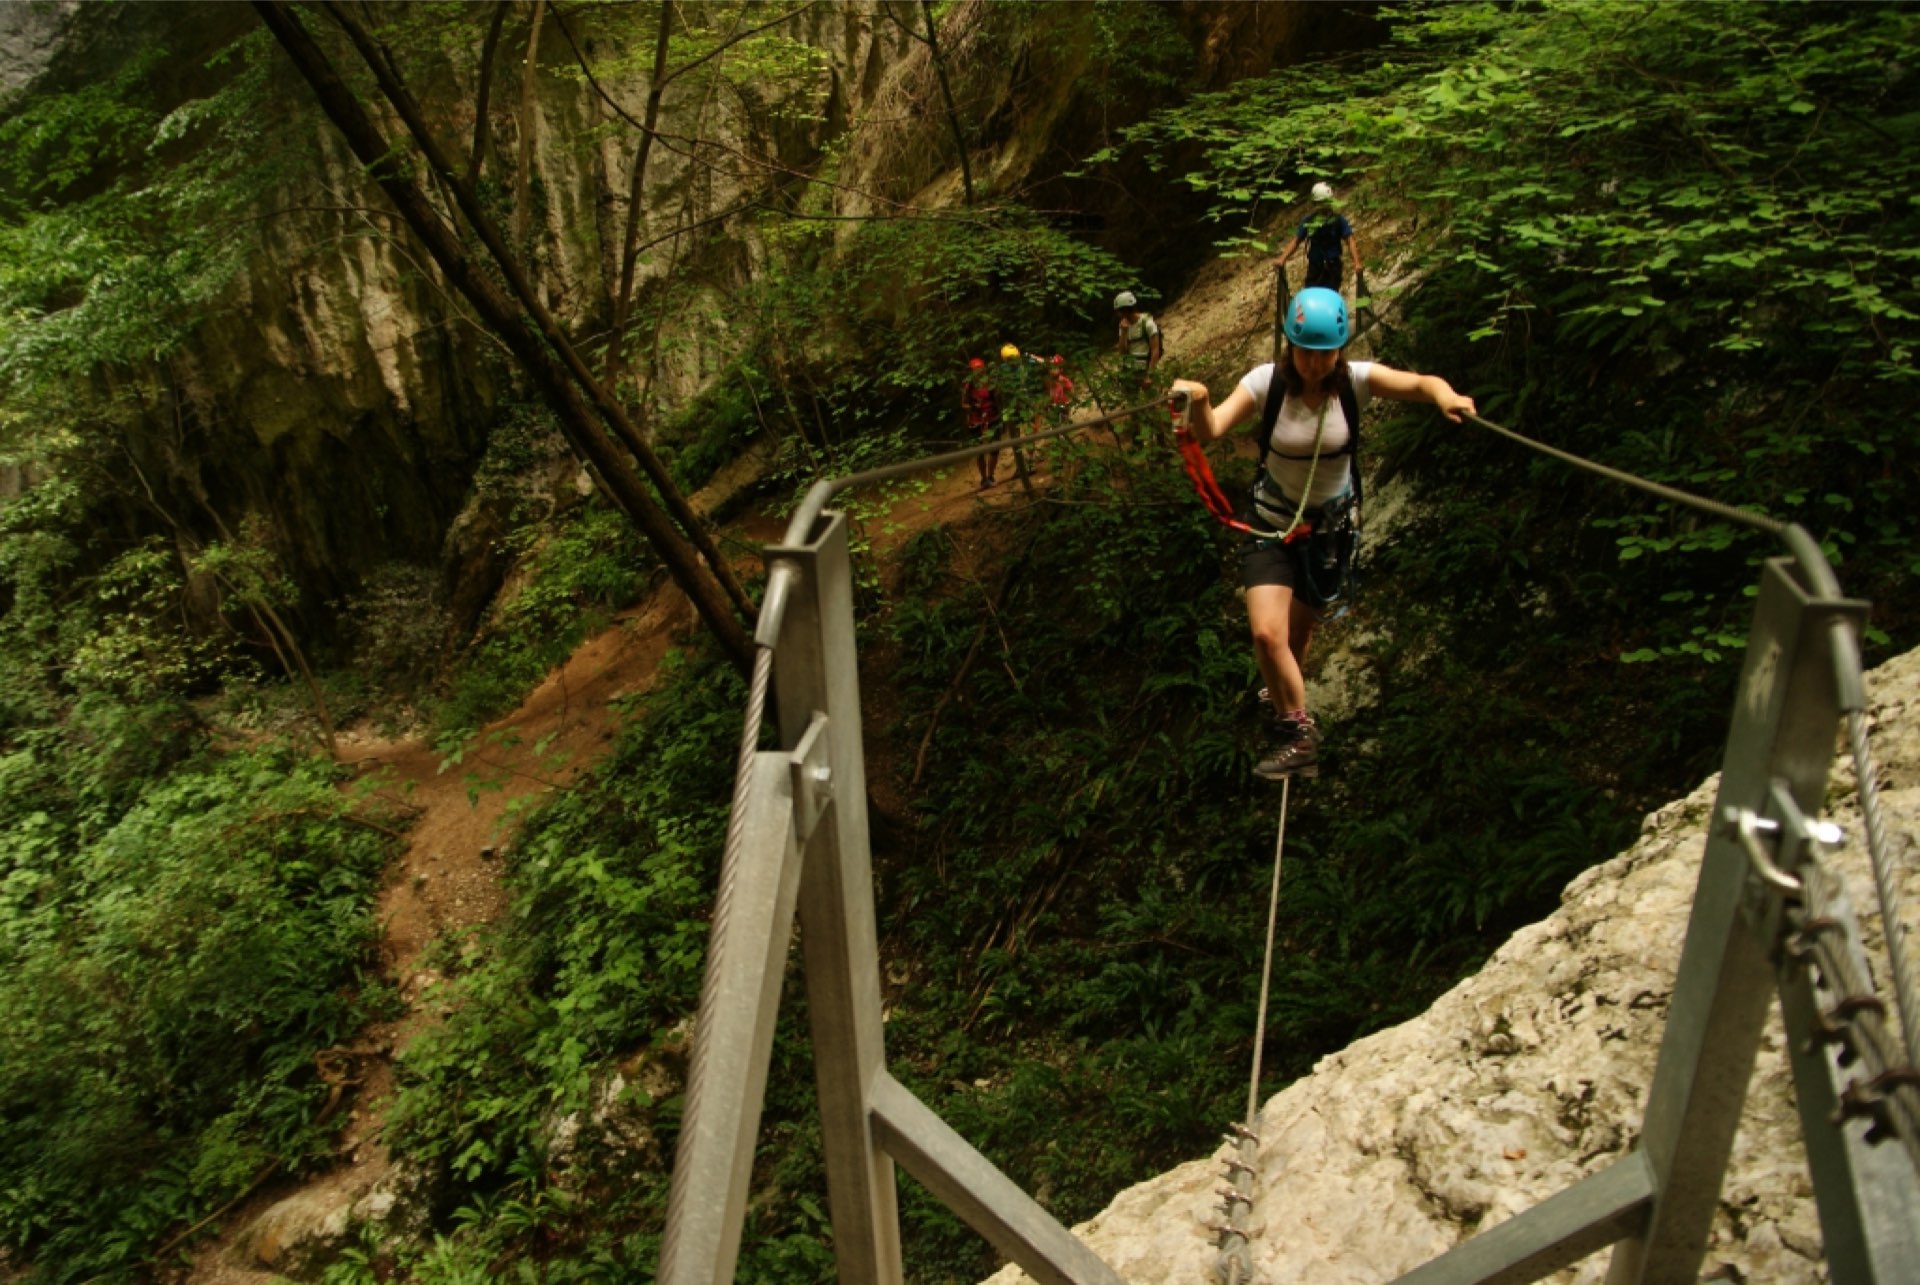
{"points": [[338, 398], [1526, 1078]]}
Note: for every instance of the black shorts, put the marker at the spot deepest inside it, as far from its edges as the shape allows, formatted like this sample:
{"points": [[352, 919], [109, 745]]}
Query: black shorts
{"points": [[1323, 274], [1267, 562]]}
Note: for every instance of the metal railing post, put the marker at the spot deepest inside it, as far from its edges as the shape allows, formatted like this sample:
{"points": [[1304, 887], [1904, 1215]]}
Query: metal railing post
{"points": [[1785, 714], [815, 673], [739, 1002]]}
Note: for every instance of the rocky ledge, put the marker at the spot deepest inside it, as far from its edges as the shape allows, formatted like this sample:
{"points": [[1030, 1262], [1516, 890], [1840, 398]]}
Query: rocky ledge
{"points": [[1526, 1078]]}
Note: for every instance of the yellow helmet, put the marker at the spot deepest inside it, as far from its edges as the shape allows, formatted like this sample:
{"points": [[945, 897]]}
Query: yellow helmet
{"points": [[1009, 352]]}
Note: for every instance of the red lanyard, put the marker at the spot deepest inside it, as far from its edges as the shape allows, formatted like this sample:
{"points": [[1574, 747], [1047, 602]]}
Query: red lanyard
{"points": [[1200, 473]]}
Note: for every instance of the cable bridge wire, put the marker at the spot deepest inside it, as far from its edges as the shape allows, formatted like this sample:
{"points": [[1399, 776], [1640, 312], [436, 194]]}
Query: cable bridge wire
{"points": [[1235, 1261], [1852, 695]]}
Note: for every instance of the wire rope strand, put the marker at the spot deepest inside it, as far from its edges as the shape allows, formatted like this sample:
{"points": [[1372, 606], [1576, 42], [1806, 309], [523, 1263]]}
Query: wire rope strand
{"points": [[1866, 1036], [1892, 918], [1266, 970], [730, 860], [1745, 517]]}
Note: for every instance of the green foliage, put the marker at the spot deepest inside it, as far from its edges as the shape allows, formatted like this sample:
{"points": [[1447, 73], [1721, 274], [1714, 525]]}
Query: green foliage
{"points": [[123, 212], [590, 563], [165, 980], [1134, 50], [601, 955], [894, 314]]}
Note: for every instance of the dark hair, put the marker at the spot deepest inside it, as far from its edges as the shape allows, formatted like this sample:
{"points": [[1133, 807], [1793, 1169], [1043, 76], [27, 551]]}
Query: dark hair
{"points": [[1295, 384]]}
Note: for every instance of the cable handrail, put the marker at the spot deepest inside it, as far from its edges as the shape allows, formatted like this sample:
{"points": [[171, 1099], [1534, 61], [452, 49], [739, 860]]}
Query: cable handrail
{"points": [[1806, 551], [826, 488], [814, 503], [1822, 581]]}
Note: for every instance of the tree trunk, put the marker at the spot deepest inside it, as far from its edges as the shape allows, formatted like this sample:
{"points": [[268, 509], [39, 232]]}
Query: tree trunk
{"points": [[484, 93], [946, 96], [523, 178], [609, 406], [577, 422]]}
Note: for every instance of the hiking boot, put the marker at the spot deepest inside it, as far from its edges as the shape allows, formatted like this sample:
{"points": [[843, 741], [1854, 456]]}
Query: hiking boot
{"points": [[1296, 754]]}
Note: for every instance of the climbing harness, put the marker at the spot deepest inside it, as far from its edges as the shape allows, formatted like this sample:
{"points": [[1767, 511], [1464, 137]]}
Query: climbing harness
{"points": [[1194, 458], [1235, 1265]]}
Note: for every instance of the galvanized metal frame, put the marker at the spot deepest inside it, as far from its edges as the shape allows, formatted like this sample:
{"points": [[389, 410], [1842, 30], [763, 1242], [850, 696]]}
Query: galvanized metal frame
{"points": [[799, 844], [1658, 1201]]}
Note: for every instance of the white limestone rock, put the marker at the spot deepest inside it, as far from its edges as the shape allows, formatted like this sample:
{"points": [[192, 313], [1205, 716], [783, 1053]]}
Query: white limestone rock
{"points": [[1525, 1078]]}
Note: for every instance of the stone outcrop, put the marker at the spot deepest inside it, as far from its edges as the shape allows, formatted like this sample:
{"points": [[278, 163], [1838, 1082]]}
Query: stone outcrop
{"points": [[1526, 1078]]}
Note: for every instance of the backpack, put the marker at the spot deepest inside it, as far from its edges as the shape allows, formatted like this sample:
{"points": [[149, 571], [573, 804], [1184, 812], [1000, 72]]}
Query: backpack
{"points": [[1324, 237]]}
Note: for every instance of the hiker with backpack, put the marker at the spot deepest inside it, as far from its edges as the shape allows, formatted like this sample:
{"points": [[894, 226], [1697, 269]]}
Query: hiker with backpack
{"points": [[1139, 336], [1308, 478], [1324, 232]]}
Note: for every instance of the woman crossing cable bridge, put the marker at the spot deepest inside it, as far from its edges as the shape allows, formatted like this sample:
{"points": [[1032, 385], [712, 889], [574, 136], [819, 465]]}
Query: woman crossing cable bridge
{"points": [[1307, 483]]}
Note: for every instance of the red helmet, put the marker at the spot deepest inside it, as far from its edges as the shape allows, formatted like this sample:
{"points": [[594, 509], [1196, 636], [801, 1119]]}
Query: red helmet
{"points": [[1058, 360], [977, 364]]}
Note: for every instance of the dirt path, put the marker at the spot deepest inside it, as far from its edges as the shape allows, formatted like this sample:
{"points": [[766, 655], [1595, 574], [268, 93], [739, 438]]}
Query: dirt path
{"points": [[446, 884]]}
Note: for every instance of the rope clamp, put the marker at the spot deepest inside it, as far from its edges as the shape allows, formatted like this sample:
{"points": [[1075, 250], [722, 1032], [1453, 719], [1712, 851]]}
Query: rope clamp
{"points": [[1754, 832], [1868, 1100]]}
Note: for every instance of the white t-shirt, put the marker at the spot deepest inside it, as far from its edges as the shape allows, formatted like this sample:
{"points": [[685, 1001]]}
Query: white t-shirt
{"points": [[1293, 432]]}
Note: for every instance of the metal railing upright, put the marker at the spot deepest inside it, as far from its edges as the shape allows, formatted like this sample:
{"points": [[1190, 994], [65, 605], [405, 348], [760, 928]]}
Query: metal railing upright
{"points": [[1767, 917], [798, 843]]}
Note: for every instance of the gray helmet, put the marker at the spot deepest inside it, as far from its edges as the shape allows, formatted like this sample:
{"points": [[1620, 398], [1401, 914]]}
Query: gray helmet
{"points": [[1124, 300]]}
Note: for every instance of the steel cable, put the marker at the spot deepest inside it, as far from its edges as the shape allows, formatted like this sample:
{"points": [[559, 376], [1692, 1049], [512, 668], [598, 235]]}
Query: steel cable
{"points": [[1235, 1265], [1892, 920], [1825, 935], [719, 942]]}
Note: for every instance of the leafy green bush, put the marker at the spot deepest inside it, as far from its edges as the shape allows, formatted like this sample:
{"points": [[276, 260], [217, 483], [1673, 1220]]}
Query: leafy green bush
{"points": [[164, 987]]}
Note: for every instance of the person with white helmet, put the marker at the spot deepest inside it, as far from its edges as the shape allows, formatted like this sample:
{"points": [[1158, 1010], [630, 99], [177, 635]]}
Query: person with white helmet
{"points": [[1309, 425], [1139, 335], [1323, 232]]}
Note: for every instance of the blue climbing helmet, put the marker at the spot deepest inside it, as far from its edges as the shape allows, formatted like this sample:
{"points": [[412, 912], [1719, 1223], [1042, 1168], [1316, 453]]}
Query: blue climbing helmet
{"points": [[1316, 318]]}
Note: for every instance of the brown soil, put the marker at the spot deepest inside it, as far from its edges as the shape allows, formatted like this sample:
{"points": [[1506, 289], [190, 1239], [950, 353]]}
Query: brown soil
{"points": [[446, 884]]}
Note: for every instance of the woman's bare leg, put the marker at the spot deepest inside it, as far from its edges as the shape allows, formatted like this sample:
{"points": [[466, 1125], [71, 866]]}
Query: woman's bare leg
{"points": [[1282, 627]]}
